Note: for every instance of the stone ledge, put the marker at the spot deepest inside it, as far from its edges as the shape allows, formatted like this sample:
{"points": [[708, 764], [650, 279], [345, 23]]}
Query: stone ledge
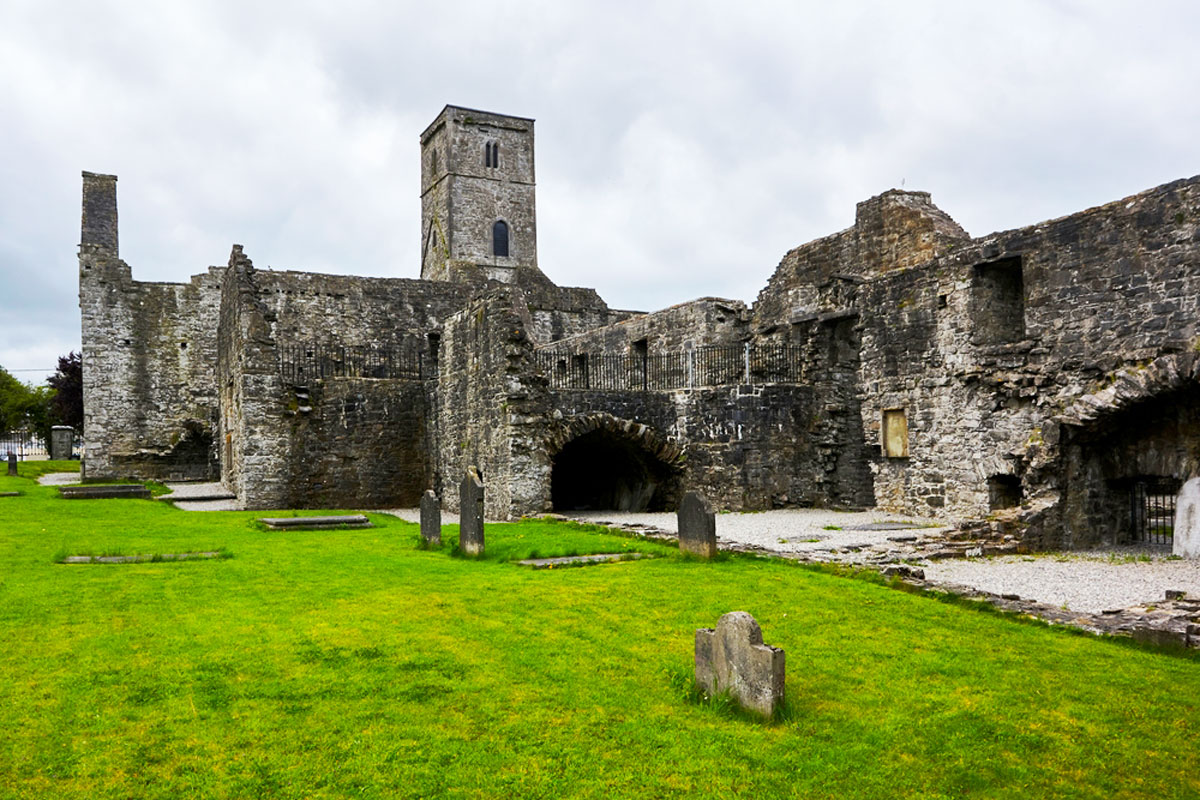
{"points": [[139, 558], [316, 523], [134, 490], [596, 558]]}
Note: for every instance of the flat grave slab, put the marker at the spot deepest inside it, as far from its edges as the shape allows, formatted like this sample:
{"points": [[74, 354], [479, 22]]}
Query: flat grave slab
{"points": [[135, 490], [597, 558], [138, 559], [10, 494], [886, 526], [316, 523]]}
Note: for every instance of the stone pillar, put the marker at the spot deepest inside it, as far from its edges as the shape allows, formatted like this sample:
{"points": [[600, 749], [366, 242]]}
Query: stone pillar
{"points": [[12, 463], [470, 513], [62, 440], [697, 526], [431, 519], [1186, 536]]}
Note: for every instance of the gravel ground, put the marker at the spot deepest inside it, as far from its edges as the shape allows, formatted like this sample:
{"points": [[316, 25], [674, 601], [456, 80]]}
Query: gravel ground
{"points": [[59, 479], [1089, 582], [792, 530]]}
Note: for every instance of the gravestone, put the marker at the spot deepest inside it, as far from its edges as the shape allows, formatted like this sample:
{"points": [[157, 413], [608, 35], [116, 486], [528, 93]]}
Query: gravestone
{"points": [[470, 513], [697, 526], [1186, 537], [734, 659], [62, 440], [12, 463], [431, 518]]}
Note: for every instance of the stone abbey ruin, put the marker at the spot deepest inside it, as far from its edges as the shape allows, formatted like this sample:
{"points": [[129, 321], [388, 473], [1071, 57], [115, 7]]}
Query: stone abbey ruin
{"points": [[1044, 380]]}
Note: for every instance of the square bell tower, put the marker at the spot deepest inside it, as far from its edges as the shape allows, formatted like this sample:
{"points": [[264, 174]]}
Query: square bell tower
{"points": [[478, 216]]}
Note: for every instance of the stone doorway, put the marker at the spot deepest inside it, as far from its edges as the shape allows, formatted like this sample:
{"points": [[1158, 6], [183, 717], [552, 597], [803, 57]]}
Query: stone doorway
{"points": [[603, 470]]}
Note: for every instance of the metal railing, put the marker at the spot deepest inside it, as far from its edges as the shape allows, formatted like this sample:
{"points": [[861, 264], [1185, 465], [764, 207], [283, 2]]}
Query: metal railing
{"points": [[25, 443], [714, 365], [1152, 510], [299, 363]]}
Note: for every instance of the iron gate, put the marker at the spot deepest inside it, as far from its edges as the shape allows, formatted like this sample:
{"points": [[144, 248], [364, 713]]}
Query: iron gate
{"points": [[1152, 510]]}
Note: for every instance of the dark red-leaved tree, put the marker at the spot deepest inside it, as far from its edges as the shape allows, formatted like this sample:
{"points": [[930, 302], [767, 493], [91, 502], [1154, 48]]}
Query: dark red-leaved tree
{"points": [[68, 396]]}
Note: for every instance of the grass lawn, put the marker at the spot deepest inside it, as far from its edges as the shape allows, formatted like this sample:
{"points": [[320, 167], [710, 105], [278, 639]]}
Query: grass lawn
{"points": [[355, 664]]}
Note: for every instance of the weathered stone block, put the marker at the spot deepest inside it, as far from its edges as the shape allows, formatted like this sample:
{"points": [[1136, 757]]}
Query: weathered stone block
{"points": [[12, 463], [697, 526], [1186, 537], [431, 518], [470, 513], [734, 659], [62, 439]]}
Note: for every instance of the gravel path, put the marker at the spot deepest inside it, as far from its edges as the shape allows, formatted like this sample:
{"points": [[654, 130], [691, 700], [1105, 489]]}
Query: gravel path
{"points": [[1089, 582], [791, 530], [59, 479]]}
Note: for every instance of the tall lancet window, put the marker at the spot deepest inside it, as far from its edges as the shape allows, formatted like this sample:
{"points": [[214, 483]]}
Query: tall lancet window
{"points": [[500, 238], [491, 154]]}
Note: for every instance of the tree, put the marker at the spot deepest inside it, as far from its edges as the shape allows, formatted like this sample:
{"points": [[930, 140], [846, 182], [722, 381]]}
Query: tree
{"points": [[23, 406], [67, 383]]}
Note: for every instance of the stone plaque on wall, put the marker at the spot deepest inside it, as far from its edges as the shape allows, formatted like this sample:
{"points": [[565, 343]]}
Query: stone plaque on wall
{"points": [[895, 433]]}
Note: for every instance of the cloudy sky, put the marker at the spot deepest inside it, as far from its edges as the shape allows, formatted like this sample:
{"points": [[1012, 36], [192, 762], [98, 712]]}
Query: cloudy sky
{"points": [[682, 147]]}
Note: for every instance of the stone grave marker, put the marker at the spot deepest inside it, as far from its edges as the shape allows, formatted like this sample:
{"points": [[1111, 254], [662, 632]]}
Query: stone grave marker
{"points": [[470, 513], [697, 526], [12, 463], [734, 659], [62, 439], [431, 519], [1186, 536]]}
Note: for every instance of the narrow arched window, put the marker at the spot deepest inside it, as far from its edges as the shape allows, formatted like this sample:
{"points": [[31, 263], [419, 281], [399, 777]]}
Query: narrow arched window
{"points": [[487, 154], [500, 238], [495, 154]]}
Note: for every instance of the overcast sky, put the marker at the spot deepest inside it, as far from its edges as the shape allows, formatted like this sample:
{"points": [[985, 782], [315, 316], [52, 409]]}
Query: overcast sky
{"points": [[682, 147]]}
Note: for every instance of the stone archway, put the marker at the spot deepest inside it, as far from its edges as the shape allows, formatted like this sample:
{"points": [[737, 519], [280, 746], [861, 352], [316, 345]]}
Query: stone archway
{"points": [[1125, 451], [599, 461]]}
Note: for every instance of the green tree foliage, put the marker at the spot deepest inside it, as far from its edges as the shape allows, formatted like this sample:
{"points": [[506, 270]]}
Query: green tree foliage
{"points": [[24, 407]]}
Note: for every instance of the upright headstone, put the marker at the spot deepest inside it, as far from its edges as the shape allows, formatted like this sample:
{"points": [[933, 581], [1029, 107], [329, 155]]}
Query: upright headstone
{"points": [[12, 463], [734, 659], [1186, 536], [431, 518], [470, 513], [697, 526], [62, 440]]}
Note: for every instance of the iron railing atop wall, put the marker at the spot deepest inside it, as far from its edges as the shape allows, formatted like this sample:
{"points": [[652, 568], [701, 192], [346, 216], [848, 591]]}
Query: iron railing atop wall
{"points": [[714, 365], [26, 444], [300, 363]]}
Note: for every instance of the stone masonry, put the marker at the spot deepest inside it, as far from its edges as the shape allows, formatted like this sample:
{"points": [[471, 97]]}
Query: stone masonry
{"points": [[1043, 379]]}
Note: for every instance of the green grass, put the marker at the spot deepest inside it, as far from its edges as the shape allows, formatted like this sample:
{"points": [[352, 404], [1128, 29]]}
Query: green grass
{"points": [[355, 664]]}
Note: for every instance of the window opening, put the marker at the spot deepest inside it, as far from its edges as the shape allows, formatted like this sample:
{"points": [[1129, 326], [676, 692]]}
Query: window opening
{"points": [[1004, 491], [998, 302], [500, 238]]}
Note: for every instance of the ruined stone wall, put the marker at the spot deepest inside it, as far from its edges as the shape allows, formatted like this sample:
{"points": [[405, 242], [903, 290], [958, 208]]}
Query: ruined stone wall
{"points": [[357, 442], [492, 407], [149, 355], [983, 347], [705, 321], [746, 447], [254, 402]]}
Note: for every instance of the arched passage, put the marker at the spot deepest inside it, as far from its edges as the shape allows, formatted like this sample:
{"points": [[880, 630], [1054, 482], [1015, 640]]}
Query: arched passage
{"points": [[602, 462], [1127, 450]]}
